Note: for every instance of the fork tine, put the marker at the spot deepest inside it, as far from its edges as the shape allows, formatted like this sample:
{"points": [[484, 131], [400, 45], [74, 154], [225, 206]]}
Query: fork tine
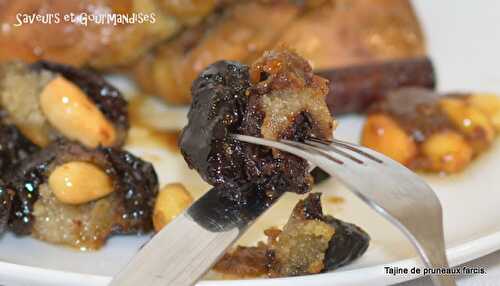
{"points": [[347, 145], [307, 147], [331, 148], [298, 149], [390, 189]]}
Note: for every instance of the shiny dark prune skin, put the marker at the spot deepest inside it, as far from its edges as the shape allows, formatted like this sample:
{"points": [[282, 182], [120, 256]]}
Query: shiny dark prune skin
{"points": [[135, 181], [347, 244], [14, 148], [5, 203], [107, 98], [218, 107]]}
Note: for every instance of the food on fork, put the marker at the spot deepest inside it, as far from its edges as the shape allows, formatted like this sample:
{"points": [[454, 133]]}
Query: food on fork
{"points": [[47, 101], [72, 195], [309, 243], [429, 132], [330, 34], [277, 97], [99, 43]]}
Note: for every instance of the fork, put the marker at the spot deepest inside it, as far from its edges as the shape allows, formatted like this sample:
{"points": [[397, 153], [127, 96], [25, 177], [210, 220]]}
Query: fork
{"points": [[388, 187], [188, 246]]}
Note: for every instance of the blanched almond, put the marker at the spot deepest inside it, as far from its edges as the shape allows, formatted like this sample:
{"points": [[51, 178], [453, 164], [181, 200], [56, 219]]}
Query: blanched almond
{"points": [[79, 182], [72, 113]]}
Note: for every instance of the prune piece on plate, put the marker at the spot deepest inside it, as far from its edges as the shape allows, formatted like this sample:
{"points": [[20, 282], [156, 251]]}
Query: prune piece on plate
{"points": [[348, 243], [14, 147], [312, 242], [309, 243], [5, 202], [38, 211], [35, 95], [284, 100]]}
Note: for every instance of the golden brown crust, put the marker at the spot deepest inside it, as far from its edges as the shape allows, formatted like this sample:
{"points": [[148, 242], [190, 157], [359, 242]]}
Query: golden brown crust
{"points": [[349, 32], [100, 46], [328, 33], [233, 35]]}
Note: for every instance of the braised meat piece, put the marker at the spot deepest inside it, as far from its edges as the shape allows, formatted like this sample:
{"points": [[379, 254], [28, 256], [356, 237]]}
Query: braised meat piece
{"points": [[47, 101], [277, 97], [93, 39], [431, 132], [309, 243], [55, 201], [330, 34]]}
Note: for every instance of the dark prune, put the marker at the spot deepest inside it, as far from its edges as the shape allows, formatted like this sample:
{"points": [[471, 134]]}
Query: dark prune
{"points": [[218, 106], [277, 98], [347, 244], [14, 148], [127, 209], [5, 202], [309, 243]]}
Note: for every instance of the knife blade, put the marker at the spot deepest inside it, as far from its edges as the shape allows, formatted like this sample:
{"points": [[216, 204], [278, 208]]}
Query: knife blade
{"points": [[184, 250]]}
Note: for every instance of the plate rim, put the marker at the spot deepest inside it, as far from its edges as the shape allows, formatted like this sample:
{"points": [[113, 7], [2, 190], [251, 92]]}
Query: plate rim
{"points": [[457, 255]]}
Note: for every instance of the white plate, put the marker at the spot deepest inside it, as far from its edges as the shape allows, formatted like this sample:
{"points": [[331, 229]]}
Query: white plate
{"points": [[464, 40]]}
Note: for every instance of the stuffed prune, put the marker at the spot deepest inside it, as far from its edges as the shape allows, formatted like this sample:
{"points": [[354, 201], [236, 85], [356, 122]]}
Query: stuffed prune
{"points": [[278, 97], [429, 132], [309, 243], [56, 201], [47, 101]]}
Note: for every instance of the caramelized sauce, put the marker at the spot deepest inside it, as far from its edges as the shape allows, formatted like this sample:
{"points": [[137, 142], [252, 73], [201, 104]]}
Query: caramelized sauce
{"points": [[335, 200]]}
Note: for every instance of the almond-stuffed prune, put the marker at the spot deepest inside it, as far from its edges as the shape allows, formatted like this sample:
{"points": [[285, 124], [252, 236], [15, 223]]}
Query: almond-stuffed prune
{"points": [[69, 194], [47, 101], [431, 132], [278, 97]]}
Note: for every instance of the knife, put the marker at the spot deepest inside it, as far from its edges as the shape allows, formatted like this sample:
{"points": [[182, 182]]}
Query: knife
{"points": [[185, 249]]}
